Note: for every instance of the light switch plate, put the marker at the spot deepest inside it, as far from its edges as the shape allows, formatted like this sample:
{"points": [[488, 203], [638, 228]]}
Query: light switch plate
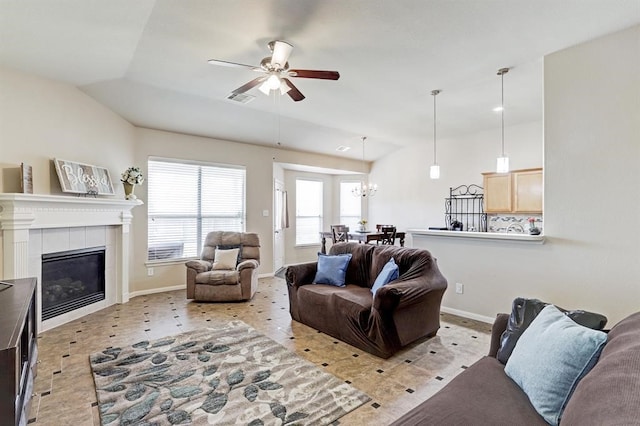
{"points": [[265, 213]]}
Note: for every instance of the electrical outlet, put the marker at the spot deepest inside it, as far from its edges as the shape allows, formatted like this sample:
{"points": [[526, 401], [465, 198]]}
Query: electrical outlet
{"points": [[459, 288], [149, 272]]}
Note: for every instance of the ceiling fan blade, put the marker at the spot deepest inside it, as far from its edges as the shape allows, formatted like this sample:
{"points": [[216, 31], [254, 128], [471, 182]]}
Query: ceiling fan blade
{"points": [[231, 64], [281, 52], [325, 75], [250, 85], [294, 93]]}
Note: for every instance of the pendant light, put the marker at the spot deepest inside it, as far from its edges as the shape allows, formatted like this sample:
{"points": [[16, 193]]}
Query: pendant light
{"points": [[502, 165], [434, 170], [364, 189]]}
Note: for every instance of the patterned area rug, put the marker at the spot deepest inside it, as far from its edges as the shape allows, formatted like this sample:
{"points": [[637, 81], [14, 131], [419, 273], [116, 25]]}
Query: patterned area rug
{"points": [[227, 375]]}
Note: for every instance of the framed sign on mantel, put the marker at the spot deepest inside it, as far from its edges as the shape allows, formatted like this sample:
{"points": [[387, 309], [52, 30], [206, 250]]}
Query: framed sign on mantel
{"points": [[79, 178]]}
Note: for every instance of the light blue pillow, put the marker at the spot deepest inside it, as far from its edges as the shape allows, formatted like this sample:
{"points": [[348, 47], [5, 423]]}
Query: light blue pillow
{"points": [[550, 358], [332, 269], [389, 273]]}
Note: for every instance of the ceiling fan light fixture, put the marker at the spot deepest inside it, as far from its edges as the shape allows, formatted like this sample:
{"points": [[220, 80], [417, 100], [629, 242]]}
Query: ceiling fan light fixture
{"points": [[284, 88], [273, 82], [264, 88]]}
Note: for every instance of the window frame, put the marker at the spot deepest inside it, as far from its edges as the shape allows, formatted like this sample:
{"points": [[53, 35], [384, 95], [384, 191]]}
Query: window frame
{"points": [[353, 226], [199, 216], [320, 216]]}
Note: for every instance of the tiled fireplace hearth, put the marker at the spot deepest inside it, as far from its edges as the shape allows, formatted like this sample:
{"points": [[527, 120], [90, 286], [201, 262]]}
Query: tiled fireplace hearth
{"points": [[33, 225]]}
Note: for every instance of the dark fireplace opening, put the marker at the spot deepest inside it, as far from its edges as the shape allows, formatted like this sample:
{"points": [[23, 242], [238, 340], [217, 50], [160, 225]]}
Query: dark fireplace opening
{"points": [[72, 279]]}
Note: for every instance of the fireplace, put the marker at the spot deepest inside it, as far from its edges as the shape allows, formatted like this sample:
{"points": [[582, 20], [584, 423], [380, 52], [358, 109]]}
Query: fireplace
{"points": [[72, 279]]}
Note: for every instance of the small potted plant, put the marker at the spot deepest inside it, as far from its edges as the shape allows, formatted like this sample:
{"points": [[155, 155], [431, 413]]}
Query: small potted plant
{"points": [[533, 229], [130, 178], [363, 224]]}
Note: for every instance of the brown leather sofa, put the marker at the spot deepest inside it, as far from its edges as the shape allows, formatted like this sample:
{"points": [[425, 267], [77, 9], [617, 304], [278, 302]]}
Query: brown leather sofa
{"points": [[226, 285], [484, 395], [402, 311]]}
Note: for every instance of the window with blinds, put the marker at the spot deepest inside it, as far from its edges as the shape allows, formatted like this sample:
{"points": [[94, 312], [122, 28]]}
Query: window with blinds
{"points": [[350, 205], [188, 200], [308, 211]]}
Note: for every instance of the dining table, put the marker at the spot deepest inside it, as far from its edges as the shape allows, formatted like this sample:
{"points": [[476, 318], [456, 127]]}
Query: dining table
{"points": [[361, 236]]}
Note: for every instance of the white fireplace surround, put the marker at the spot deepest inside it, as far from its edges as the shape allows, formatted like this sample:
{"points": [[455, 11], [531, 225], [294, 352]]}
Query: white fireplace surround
{"points": [[33, 225]]}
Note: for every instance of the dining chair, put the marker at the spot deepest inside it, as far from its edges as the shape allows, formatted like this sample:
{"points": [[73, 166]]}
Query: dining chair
{"points": [[388, 235], [339, 233]]}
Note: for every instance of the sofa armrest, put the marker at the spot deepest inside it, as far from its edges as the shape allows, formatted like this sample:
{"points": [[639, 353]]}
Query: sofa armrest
{"points": [[399, 293], [247, 264], [301, 274], [499, 326], [199, 265]]}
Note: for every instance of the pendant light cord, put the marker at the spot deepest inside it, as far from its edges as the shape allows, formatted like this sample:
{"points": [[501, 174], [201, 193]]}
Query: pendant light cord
{"points": [[501, 73], [434, 93], [502, 108], [435, 161]]}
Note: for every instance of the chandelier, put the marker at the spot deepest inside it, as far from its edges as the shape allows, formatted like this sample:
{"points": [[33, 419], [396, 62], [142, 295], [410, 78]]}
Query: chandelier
{"points": [[364, 189]]}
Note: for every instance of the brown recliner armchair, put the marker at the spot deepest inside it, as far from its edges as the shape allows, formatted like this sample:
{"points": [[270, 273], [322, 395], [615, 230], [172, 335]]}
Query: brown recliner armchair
{"points": [[240, 282]]}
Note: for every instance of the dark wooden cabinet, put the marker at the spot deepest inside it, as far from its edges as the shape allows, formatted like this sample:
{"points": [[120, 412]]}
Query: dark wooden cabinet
{"points": [[18, 349]]}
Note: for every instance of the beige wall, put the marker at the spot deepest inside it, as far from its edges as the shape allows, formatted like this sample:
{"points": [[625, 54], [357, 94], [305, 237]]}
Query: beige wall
{"points": [[590, 259], [258, 161], [407, 197], [42, 119]]}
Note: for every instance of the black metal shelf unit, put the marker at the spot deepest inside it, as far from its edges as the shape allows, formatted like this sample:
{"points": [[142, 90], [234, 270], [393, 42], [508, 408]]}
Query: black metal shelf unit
{"points": [[464, 209]]}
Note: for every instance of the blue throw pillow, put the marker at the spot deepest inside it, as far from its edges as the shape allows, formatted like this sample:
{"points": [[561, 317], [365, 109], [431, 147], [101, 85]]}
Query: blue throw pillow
{"points": [[550, 358], [389, 273], [332, 269]]}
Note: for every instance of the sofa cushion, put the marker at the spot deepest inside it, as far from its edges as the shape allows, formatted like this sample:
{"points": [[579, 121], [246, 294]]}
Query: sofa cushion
{"points": [[480, 395], [523, 311], [322, 311], [389, 273], [225, 259], [223, 277], [332, 269], [550, 358], [610, 393]]}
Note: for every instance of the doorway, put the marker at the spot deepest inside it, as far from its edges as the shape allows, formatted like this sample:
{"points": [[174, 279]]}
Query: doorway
{"points": [[279, 224]]}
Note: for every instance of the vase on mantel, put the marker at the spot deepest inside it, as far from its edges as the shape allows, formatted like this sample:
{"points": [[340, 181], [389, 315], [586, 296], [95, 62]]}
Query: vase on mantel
{"points": [[128, 191]]}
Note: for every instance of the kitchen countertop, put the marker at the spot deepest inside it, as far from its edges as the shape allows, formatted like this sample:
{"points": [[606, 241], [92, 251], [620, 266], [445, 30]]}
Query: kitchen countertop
{"points": [[512, 236]]}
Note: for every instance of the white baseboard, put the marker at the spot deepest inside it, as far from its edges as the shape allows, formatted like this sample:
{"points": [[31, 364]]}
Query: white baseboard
{"points": [[176, 287], [466, 314], [157, 290]]}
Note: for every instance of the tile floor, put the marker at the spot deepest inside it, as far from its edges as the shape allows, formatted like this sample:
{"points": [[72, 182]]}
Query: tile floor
{"points": [[64, 393]]}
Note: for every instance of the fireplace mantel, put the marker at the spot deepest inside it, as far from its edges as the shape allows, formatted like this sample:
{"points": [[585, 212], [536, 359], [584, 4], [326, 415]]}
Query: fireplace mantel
{"points": [[22, 213]]}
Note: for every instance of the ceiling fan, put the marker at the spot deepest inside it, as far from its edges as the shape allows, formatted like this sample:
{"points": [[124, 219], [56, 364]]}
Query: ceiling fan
{"points": [[276, 72]]}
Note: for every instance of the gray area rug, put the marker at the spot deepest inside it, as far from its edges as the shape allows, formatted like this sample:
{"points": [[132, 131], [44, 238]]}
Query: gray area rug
{"points": [[226, 375]]}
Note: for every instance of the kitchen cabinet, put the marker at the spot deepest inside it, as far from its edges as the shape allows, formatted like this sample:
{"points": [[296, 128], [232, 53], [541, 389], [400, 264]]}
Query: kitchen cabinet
{"points": [[519, 191]]}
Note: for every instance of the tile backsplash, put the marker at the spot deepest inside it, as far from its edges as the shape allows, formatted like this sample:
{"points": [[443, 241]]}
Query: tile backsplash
{"points": [[500, 223]]}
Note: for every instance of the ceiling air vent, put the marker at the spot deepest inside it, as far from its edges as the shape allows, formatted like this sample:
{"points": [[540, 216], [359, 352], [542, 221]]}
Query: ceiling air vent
{"points": [[343, 148], [243, 98]]}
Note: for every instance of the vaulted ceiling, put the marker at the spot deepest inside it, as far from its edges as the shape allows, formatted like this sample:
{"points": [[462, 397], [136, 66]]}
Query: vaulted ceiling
{"points": [[147, 61]]}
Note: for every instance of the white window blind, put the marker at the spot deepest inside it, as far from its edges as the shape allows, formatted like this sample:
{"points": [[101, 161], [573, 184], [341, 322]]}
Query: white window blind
{"points": [[187, 201], [308, 211], [350, 206]]}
